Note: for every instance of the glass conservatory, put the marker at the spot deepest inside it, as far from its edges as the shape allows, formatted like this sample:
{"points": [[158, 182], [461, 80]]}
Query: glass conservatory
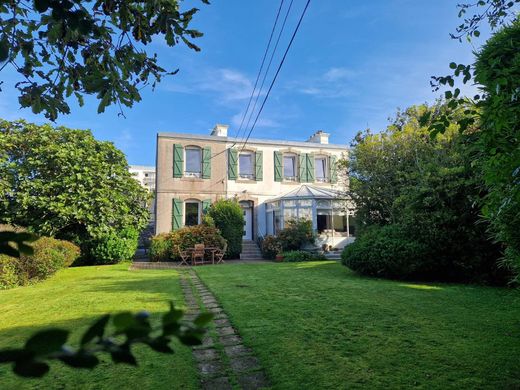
{"points": [[330, 212]]}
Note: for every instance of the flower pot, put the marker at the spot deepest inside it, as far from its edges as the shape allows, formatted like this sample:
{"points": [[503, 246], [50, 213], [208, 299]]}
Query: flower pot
{"points": [[278, 258]]}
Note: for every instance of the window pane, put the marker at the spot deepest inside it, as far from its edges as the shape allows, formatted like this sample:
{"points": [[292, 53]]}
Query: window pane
{"points": [[320, 169], [305, 212], [192, 214], [306, 203], [288, 166], [340, 223], [289, 214], [245, 164], [193, 164], [289, 203]]}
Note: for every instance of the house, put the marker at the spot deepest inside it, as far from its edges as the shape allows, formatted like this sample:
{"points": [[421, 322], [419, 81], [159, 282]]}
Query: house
{"points": [[273, 180], [145, 175]]}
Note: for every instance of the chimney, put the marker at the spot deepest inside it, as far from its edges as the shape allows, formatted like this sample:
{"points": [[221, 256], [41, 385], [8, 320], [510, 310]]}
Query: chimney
{"points": [[220, 130], [319, 137]]}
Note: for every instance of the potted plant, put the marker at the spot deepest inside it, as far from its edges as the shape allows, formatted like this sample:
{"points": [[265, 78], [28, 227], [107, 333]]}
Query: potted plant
{"points": [[278, 258]]}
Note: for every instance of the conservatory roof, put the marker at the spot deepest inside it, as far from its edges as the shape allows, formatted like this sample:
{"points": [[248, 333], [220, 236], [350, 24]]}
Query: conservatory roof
{"points": [[310, 192]]}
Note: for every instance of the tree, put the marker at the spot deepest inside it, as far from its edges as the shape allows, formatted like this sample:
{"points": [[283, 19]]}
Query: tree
{"points": [[64, 183], [416, 204], [65, 47]]}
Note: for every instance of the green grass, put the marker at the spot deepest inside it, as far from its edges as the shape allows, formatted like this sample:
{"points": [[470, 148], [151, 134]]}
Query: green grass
{"points": [[73, 299], [319, 326]]}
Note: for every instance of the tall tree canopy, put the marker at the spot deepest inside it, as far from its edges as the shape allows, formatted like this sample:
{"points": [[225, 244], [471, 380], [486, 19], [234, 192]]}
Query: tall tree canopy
{"points": [[65, 47], [416, 199], [62, 182]]}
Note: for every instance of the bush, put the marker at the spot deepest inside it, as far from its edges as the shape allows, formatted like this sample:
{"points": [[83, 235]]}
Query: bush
{"points": [[229, 219], [9, 268], [270, 247], [296, 234], [69, 251], [295, 256], [49, 256], [188, 236], [114, 247], [385, 251], [161, 247]]}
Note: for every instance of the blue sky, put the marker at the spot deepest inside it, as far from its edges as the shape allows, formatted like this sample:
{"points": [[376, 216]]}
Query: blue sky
{"points": [[351, 65]]}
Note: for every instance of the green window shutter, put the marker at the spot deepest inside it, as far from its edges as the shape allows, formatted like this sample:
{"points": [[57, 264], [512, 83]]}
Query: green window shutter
{"points": [[206, 163], [333, 170], [278, 166], [259, 170], [303, 167], [178, 160], [232, 164], [310, 167], [205, 205], [176, 214]]}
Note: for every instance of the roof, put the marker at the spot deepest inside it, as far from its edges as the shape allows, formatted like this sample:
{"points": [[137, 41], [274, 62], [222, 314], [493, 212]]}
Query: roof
{"points": [[257, 141], [310, 192]]}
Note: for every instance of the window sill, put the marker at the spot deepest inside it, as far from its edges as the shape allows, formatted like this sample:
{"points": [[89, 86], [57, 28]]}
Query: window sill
{"points": [[244, 180], [290, 182], [191, 178]]}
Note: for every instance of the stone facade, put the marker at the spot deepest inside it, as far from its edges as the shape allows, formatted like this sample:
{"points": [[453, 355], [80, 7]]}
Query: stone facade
{"points": [[252, 174]]}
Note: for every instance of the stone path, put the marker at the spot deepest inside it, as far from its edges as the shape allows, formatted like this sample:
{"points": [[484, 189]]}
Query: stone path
{"points": [[222, 359]]}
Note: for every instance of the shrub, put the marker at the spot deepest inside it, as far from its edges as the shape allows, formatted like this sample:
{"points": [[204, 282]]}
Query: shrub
{"points": [[49, 256], [384, 251], [160, 247], [229, 219], [188, 236], [296, 234], [70, 252], [8, 272], [295, 256], [270, 247], [114, 247]]}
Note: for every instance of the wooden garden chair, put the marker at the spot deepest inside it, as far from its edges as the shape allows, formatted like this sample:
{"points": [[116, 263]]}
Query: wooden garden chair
{"points": [[198, 253], [219, 254], [185, 255]]}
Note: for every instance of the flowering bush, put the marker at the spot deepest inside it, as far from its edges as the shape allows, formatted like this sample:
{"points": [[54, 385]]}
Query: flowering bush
{"points": [[270, 247]]}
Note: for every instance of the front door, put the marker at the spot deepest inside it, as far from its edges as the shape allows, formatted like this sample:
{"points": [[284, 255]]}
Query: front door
{"points": [[248, 226]]}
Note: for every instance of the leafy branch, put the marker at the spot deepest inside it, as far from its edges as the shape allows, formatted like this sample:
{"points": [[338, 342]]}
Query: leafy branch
{"points": [[62, 48], [129, 329]]}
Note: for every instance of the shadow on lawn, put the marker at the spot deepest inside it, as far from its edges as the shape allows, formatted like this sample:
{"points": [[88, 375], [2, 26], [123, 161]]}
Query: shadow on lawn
{"points": [[165, 286]]}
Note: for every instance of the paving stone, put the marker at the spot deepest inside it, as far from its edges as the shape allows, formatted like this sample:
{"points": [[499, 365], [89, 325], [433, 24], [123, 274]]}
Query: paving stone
{"points": [[221, 322], [215, 310], [237, 350], [209, 300], [230, 340], [255, 380], [206, 354], [220, 316], [212, 305], [210, 368], [244, 363], [221, 383], [207, 342], [226, 330]]}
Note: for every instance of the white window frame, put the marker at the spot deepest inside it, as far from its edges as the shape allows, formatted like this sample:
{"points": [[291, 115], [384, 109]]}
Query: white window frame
{"points": [[192, 174], [250, 176], [326, 169], [199, 210], [295, 167]]}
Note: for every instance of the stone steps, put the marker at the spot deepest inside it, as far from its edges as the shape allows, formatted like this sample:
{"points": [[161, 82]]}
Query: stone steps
{"points": [[250, 251]]}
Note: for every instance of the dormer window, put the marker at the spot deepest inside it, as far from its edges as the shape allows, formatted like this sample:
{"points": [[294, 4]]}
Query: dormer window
{"points": [[193, 161], [289, 167]]}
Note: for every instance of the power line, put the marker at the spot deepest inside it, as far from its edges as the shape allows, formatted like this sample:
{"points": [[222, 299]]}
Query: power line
{"points": [[277, 72], [256, 82], [261, 67], [268, 66]]}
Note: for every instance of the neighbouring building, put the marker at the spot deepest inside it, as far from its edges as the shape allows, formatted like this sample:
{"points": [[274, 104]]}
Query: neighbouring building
{"points": [[273, 180], [145, 175]]}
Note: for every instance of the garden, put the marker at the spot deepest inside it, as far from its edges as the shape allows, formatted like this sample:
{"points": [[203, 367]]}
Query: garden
{"points": [[312, 325]]}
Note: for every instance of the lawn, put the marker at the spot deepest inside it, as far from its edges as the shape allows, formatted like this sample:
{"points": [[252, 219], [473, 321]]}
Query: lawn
{"points": [[319, 326], [73, 299]]}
